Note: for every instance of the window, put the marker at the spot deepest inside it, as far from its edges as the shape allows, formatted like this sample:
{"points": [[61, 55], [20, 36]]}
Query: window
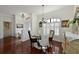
{"points": [[52, 24], [48, 20]]}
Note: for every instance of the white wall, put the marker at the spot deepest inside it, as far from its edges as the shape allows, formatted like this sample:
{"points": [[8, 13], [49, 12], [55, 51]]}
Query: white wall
{"points": [[27, 26], [64, 13], [34, 24], [25, 22], [3, 18], [13, 25], [1, 30]]}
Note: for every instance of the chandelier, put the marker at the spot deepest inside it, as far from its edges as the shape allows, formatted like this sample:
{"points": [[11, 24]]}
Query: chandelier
{"points": [[43, 19]]}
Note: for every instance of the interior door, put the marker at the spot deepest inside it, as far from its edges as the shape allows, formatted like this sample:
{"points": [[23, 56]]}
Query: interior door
{"points": [[7, 29]]}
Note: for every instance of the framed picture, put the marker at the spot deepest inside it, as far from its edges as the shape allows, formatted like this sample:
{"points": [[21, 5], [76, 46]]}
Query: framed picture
{"points": [[19, 25], [64, 23]]}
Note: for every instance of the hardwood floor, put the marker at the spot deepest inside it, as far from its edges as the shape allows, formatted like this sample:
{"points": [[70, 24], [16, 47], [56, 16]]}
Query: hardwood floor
{"points": [[11, 45]]}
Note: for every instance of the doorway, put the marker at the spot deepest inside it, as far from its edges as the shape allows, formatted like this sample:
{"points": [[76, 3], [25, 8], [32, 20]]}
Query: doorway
{"points": [[7, 29]]}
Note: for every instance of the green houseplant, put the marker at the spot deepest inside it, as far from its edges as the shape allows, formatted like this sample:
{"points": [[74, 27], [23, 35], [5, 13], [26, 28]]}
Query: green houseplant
{"points": [[75, 24], [74, 21]]}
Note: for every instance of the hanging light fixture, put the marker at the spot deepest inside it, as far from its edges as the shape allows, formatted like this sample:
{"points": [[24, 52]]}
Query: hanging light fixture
{"points": [[43, 16], [43, 20]]}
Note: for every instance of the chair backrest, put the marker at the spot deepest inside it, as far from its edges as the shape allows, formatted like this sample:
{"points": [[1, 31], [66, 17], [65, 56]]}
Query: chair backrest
{"points": [[33, 40], [29, 35], [52, 33]]}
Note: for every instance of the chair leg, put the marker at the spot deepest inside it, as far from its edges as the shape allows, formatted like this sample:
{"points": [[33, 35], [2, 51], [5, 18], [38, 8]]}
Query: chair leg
{"points": [[31, 48], [41, 50]]}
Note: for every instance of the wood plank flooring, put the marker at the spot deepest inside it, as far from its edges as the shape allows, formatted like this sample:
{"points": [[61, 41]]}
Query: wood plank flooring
{"points": [[11, 45]]}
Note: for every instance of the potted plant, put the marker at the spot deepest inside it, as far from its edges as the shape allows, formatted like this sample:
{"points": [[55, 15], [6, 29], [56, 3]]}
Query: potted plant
{"points": [[75, 23], [75, 20]]}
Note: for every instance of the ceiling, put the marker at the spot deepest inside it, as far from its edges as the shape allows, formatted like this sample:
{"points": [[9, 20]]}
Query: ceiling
{"points": [[37, 9]]}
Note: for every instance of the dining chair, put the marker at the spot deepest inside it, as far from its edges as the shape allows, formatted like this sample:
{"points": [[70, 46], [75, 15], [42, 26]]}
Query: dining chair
{"points": [[34, 40], [51, 35]]}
